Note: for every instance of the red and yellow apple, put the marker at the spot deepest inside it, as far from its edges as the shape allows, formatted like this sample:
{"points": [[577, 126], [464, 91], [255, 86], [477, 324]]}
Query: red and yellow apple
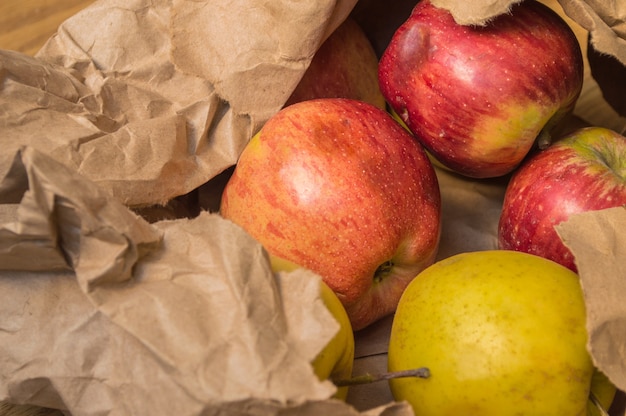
{"points": [[479, 97], [344, 66], [502, 333], [338, 187], [584, 171]]}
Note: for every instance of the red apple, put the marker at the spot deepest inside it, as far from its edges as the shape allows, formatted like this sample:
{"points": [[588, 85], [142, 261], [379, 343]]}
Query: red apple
{"points": [[585, 171], [479, 97], [345, 66], [338, 187]]}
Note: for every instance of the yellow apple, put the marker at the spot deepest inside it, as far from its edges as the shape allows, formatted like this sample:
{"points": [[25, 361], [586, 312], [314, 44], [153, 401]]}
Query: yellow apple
{"points": [[502, 333], [336, 360]]}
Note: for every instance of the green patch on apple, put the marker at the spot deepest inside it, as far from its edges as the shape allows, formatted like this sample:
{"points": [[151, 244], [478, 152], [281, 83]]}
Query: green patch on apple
{"points": [[510, 135]]}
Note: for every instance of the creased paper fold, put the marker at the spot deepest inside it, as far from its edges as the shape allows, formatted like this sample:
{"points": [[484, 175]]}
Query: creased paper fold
{"points": [[598, 242], [178, 317], [152, 99]]}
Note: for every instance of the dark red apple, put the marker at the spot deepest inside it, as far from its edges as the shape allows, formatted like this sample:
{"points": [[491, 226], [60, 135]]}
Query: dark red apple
{"points": [[345, 66], [479, 97], [585, 171]]}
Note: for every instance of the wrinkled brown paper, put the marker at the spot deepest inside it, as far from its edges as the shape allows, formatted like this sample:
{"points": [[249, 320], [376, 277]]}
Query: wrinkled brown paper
{"points": [[605, 20], [144, 102], [149, 99], [182, 317], [598, 241]]}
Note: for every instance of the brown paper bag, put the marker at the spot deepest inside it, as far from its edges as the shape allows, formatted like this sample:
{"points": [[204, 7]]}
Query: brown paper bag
{"points": [[598, 241], [180, 317], [148, 99]]}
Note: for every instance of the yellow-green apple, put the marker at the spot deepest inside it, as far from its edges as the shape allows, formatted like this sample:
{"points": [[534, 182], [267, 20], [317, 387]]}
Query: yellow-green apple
{"points": [[584, 171], [344, 66], [502, 333], [338, 187], [480, 97], [336, 359], [605, 394]]}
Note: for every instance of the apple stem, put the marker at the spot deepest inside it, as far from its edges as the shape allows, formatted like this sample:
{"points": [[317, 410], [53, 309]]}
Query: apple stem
{"points": [[553, 126], [597, 404], [544, 140], [367, 378], [382, 271]]}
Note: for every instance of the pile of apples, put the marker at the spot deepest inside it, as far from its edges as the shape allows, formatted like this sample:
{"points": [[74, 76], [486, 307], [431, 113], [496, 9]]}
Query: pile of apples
{"points": [[343, 181]]}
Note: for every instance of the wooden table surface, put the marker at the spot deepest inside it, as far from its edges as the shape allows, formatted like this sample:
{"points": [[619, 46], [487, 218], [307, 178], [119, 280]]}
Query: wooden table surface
{"points": [[25, 25]]}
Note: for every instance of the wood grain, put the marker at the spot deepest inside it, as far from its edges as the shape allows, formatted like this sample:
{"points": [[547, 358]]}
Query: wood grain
{"points": [[7, 409], [25, 25]]}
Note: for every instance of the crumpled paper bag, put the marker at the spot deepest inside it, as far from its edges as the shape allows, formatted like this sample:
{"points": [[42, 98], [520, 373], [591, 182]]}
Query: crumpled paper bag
{"points": [[606, 22], [180, 317], [152, 99], [598, 242]]}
